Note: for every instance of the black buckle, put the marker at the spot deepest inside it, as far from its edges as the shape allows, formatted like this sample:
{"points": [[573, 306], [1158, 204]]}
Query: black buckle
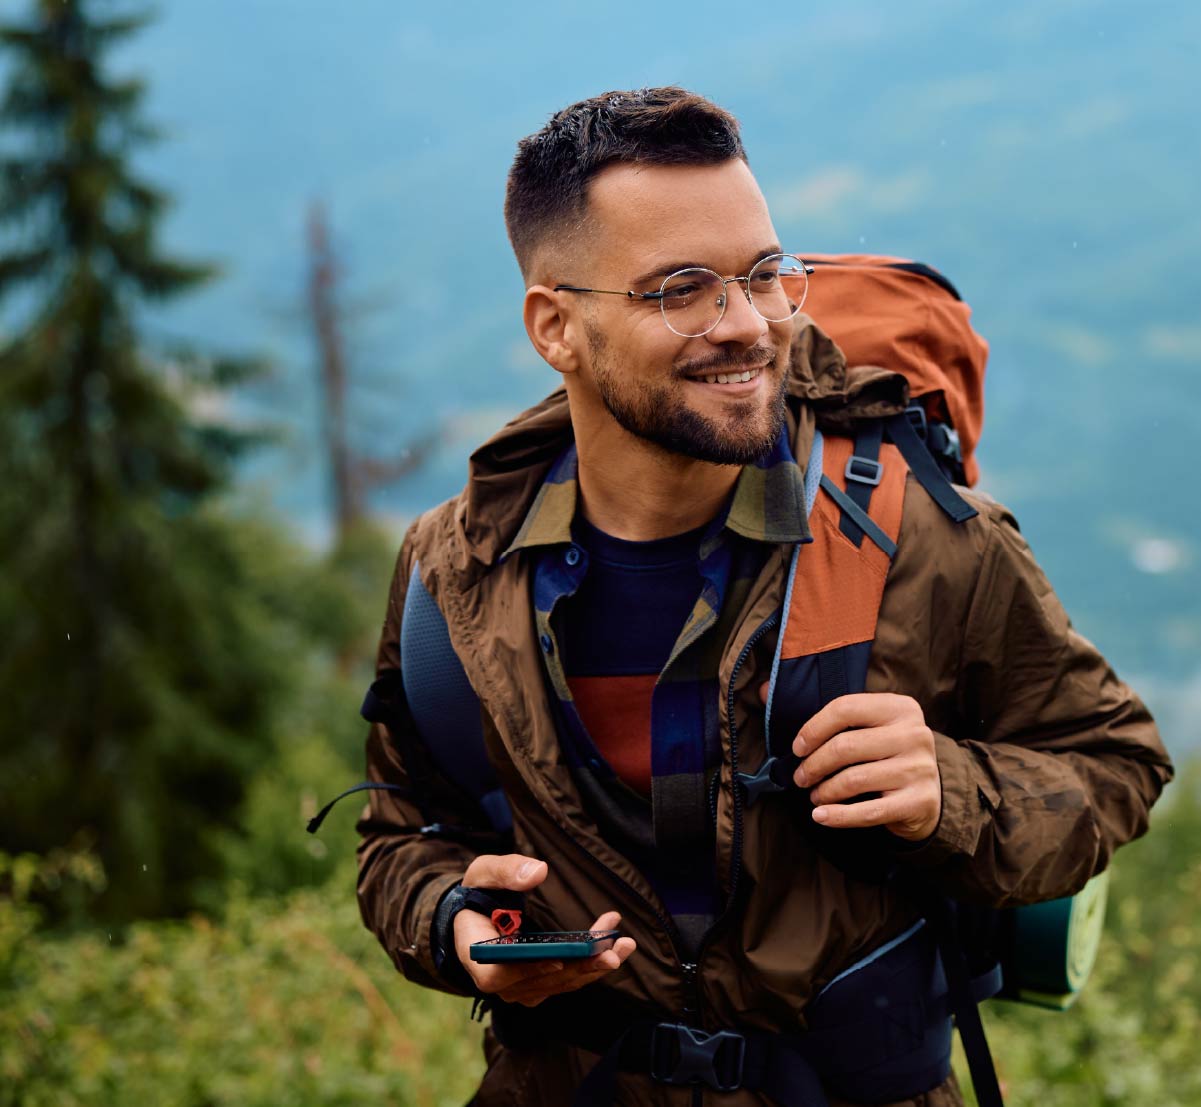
{"points": [[864, 470], [696, 1056]]}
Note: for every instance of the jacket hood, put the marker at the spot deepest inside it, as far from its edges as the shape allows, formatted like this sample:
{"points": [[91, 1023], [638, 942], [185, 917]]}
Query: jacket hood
{"points": [[505, 473]]}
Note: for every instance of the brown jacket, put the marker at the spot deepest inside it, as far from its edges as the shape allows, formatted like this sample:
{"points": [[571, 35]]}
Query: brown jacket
{"points": [[1048, 762]]}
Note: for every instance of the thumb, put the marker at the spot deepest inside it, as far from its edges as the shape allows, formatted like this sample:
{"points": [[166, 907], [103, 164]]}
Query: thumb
{"points": [[764, 688], [512, 871]]}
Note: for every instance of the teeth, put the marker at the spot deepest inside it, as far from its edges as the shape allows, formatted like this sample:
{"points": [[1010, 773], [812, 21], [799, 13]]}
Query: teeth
{"points": [[731, 378]]}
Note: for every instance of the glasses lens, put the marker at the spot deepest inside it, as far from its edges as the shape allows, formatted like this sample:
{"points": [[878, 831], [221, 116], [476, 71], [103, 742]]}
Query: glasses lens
{"points": [[692, 301], [779, 285]]}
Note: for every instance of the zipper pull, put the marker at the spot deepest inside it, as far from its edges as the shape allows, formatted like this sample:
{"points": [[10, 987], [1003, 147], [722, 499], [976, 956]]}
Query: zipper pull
{"points": [[691, 991]]}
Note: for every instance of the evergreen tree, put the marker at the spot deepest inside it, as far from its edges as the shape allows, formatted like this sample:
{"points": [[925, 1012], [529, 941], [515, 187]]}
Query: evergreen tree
{"points": [[137, 675]]}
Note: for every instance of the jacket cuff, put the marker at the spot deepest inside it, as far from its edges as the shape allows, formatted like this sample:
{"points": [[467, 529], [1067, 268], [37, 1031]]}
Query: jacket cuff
{"points": [[968, 802]]}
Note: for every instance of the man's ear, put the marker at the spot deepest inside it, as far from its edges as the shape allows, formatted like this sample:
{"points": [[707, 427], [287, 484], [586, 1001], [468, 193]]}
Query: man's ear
{"points": [[547, 322]]}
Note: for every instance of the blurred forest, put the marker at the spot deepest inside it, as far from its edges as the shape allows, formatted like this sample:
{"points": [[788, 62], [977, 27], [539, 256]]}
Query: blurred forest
{"points": [[181, 676]]}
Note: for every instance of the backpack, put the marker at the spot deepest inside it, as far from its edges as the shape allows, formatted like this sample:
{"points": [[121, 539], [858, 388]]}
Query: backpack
{"points": [[900, 315]]}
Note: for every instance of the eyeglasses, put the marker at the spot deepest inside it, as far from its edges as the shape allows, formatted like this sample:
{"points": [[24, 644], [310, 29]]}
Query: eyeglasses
{"points": [[693, 301]]}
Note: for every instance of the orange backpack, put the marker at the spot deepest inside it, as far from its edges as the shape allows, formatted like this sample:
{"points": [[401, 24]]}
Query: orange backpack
{"points": [[906, 316]]}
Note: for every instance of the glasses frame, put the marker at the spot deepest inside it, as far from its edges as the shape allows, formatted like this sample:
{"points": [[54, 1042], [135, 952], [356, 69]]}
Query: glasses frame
{"points": [[745, 282]]}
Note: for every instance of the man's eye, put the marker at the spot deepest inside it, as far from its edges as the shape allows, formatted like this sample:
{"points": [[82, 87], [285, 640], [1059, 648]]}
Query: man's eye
{"points": [[681, 293], [765, 278]]}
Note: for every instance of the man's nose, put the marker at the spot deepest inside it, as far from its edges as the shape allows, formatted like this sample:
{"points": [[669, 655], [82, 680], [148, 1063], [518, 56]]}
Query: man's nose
{"points": [[740, 323]]}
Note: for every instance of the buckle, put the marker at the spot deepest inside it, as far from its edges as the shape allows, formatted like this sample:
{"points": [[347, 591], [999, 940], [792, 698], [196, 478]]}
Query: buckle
{"points": [[916, 414], [864, 470], [683, 1055]]}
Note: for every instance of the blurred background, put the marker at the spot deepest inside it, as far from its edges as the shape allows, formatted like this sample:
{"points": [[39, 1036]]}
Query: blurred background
{"points": [[256, 308]]}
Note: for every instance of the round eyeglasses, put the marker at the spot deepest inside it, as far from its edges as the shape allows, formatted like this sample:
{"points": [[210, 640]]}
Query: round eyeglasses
{"points": [[694, 300]]}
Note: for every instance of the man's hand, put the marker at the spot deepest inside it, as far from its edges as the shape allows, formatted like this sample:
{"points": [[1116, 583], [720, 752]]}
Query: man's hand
{"points": [[875, 744], [530, 982]]}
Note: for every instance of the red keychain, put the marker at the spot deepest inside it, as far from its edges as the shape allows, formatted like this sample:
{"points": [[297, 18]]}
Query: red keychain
{"points": [[507, 921]]}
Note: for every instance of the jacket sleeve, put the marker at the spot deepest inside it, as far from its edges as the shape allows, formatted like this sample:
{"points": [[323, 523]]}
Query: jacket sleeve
{"points": [[1059, 762], [403, 873]]}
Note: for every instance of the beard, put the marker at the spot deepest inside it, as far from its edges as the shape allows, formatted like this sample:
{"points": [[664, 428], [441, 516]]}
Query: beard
{"points": [[657, 411]]}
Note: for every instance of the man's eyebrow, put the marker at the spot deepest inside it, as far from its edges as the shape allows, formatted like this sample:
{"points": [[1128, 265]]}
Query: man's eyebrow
{"points": [[667, 268]]}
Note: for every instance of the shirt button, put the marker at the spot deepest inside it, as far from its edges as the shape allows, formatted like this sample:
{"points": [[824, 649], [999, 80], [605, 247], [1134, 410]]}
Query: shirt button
{"points": [[572, 556], [547, 645]]}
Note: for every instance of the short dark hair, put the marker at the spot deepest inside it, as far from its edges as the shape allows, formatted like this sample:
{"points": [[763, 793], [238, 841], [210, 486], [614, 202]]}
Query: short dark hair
{"points": [[548, 182]]}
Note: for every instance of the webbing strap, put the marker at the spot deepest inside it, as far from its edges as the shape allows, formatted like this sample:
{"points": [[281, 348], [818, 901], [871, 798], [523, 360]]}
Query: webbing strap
{"points": [[832, 675], [862, 475], [723, 1060], [866, 523], [964, 1003], [923, 466]]}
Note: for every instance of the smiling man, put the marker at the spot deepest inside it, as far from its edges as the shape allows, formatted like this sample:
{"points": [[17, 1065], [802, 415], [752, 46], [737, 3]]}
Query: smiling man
{"points": [[616, 580]]}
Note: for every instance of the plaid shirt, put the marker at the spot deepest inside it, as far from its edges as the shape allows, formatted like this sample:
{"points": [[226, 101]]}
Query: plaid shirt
{"points": [[669, 838]]}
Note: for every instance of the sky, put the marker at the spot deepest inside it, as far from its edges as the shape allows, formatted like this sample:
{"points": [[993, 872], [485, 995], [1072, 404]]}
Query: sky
{"points": [[1046, 156]]}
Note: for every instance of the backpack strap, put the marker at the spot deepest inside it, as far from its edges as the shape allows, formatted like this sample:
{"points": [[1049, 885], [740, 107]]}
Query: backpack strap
{"points": [[832, 598], [432, 695], [862, 474], [904, 435]]}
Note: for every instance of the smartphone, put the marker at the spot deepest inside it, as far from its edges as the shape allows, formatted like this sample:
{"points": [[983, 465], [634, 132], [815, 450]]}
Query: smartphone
{"points": [[544, 946]]}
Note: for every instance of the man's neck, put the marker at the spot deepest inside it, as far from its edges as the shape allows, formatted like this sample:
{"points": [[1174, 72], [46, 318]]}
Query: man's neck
{"points": [[642, 492]]}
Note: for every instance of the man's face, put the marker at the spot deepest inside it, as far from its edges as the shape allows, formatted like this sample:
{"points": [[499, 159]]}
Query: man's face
{"points": [[650, 221]]}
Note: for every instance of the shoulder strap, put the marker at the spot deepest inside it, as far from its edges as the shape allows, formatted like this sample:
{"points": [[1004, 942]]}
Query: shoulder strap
{"points": [[432, 695]]}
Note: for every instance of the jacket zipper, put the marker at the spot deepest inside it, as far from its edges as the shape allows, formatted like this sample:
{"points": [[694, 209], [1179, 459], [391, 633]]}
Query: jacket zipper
{"points": [[691, 969], [735, 792]]}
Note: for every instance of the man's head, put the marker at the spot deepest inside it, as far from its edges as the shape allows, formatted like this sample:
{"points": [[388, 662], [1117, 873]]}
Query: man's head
{"points": [[616, 193]]}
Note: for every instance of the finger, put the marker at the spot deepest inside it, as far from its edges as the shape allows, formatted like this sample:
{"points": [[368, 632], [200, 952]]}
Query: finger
{"points": [[608, 921], [905, 770], [849, 747], [862, 709], [500, 979], [512, 871], [882, 811], [764, 689], [574, 975]]}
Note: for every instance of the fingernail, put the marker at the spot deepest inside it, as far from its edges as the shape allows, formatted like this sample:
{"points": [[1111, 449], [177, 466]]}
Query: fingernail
{"points": [[820, 814], [527, 870], [800, 777], [798, 747]]}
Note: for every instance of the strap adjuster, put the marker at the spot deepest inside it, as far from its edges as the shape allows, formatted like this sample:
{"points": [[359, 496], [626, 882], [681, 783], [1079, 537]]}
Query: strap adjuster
{"points": [[916, 414], [864, 470], [684, 1055]]}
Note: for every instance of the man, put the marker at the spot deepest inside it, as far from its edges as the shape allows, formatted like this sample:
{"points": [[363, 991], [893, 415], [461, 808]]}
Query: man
{"points": [[612, 577]]}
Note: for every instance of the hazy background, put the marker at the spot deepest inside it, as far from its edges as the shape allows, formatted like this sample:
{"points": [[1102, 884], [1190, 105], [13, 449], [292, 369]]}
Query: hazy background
{"points": [[1047, 158]]}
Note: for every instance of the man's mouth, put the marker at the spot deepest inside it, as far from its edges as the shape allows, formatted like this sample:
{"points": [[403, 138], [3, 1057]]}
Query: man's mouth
{"points": [[736, 376]]}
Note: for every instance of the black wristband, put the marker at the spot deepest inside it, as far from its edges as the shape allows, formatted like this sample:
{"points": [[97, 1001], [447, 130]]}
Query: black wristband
{"points": [[459, 898]]}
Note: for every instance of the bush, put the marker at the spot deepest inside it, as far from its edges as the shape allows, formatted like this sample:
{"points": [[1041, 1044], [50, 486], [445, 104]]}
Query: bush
{"points": [[288, 1000], [1133, 1035]]}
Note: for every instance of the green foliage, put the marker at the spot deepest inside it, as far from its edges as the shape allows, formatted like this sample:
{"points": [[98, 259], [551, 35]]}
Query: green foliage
{"points": [[289, 999], [142, 662], [286, 1001], [1132, 1036]]}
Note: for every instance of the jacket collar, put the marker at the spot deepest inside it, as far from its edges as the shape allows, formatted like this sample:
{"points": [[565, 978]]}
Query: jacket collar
{"points": [[522, 489]]}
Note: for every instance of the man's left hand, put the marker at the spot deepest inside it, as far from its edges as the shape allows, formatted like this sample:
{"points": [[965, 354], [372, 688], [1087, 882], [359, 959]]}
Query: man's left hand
{"points": [[873, 744]]}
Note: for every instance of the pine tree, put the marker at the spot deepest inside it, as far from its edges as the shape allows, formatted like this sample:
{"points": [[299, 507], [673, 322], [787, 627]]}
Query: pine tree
{"points": [[137, 676]]}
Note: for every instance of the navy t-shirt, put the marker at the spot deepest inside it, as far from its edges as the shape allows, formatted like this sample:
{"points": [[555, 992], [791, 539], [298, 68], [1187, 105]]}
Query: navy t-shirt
{"points": [[618, 630]]}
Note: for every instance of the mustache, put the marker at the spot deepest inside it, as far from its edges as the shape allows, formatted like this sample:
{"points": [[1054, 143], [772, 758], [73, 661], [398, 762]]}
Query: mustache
{"points": [[757, 357]]}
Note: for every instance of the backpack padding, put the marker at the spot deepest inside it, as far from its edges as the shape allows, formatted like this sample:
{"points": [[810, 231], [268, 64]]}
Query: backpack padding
{"points": [[444, 705]]}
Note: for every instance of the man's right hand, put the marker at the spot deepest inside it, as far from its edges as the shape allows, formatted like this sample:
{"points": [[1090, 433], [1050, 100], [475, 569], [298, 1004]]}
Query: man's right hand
{"points": [[529, 982]]}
